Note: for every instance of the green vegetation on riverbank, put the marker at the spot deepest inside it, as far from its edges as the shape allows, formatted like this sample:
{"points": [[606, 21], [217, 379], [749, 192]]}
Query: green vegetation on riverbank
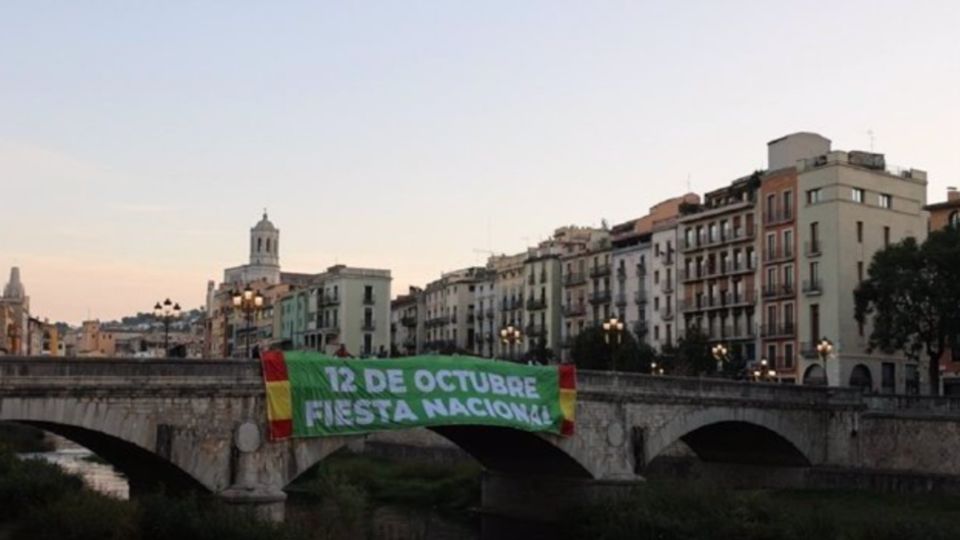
{"points": [[690, 512], [23, 439], [356, 483], [38, 501]]}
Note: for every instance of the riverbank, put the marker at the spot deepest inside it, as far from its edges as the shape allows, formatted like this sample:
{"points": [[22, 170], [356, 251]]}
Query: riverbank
{"points": [[665, 511]]}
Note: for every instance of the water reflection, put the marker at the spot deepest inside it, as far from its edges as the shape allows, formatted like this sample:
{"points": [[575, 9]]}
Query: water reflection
{"points": [[77, 460]]}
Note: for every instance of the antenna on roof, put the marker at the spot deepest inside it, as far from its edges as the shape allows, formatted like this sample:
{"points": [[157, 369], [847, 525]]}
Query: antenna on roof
{"points": [[689, 189], [870, 134]]}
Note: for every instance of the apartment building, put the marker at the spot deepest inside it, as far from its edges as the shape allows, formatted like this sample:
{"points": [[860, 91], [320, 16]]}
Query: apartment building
{"points": [[942, 215], [852, 205], [484, 315], [631, 248], [344, 308], [448, 302], [543, 293], [508, 289], [664, 283], [577, 284], [778, 271], [719, 262], [406, 326]]}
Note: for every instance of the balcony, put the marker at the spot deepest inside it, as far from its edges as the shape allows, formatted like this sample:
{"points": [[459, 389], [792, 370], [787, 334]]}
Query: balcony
{"points": [[488, 337], [779, 291], [409, 321], [743, 233], [471, 318], [531, 280], [331, 329], [666, 286], [739, 332], [368, 325], [574, 310], [666, 313], [410, 343], [436, 321], [622, 273], [621, 299], [668, 258], [488, 313], [641, 270], [687, 276], [812, 287], [813, 248], [690, 244], [600, 297], [746, 298], [640, 297], [600, 270], [368, 300], [534, 304], [535, 330], [743, 267], [573, 279], [783, 215], [329, 300], [784, 330]]}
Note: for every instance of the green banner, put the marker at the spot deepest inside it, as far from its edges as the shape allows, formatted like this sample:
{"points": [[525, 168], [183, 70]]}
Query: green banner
{"points": [[326, 396]]}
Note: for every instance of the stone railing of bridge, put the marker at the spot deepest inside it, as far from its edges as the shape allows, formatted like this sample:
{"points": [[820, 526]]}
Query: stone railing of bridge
{"points": [[244, 377]]}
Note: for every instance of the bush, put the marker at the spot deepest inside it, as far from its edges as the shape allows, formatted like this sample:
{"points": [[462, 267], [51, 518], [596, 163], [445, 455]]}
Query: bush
{"points": [[80, 515]]}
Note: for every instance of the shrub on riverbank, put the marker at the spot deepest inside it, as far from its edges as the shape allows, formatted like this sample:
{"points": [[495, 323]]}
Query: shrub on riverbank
{"points": [[39, 501], [24, 439], [691, 512]]}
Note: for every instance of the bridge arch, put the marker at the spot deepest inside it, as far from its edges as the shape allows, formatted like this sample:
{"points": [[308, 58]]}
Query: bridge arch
{"points": [[497, 449], [144, 451], [750, 436]]}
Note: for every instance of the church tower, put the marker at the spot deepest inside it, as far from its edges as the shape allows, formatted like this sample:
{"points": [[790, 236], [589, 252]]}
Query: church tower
{"points": [[264, 243]]}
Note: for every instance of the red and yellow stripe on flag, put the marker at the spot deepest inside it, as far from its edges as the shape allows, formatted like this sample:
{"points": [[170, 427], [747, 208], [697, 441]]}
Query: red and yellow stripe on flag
{"points": [[568, 397], [279, 401]]}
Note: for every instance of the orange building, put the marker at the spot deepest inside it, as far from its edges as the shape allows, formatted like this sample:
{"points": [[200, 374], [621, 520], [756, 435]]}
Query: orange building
{"points": [[943, 215]]}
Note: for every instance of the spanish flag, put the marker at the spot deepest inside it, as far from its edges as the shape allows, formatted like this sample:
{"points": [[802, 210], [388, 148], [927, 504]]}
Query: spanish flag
{"points": [[279, 402], [568, 397]]}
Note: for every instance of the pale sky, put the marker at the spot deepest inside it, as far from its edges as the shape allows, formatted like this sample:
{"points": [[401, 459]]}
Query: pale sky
{"points": [[139, 141]]}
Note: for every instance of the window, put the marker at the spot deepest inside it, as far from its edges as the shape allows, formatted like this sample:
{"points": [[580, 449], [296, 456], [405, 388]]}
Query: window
{"points": [[788, 204], [788, 277], [788, 355], [772, 355], [859, 271], [954, 219], [856, 194], [813, 196], [788, 243], [814, 323], [268, 245], [886, 236], [771, 207], [885, 200]]}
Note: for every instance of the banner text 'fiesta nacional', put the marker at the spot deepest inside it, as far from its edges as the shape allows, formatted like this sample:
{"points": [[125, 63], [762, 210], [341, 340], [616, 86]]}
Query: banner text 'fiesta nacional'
{"points": [[310, 395]]}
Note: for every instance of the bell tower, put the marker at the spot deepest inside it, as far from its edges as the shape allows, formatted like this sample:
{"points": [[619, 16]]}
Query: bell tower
{"points": [[264, 243]]}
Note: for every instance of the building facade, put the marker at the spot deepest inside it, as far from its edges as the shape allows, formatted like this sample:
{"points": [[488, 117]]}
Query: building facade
{"points": [[406, 325]]}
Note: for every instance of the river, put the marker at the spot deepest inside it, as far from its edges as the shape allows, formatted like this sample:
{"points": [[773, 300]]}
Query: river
{"points": [[78, 460]]}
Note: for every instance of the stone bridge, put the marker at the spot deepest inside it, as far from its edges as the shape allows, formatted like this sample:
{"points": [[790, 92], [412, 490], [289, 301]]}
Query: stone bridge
{"points": [[192, 424]]}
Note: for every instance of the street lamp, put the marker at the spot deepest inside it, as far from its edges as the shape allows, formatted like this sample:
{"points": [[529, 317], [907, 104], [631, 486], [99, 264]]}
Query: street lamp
{"points": [[248, 302], [655, 369], [824, 350], [166, 312], [720, 354], [764, 372], [613, 328], [510, 335]]}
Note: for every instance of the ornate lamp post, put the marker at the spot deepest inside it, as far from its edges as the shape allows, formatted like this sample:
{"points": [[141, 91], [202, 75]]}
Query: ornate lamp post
{"points": [[613, 328], [764, 372], [824, 350], [655, 369], [166, 313], [509, 336], [248, 302], [719, 352]]}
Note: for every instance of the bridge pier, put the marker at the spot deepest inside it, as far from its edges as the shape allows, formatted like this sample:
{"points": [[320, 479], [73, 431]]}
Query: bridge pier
{"points": [[268, 504]]}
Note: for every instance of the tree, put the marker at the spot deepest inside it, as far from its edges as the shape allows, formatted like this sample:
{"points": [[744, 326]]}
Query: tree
{"points": [[691, 356], [540, 353], [910, 299], [591, 351]]}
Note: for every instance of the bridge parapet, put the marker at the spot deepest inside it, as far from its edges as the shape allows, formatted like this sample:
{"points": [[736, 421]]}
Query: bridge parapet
{"points": [[640, 387], [913, 405]]}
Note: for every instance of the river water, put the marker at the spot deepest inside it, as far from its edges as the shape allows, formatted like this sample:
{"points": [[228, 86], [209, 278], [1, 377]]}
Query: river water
{"points": [[78, 460]]}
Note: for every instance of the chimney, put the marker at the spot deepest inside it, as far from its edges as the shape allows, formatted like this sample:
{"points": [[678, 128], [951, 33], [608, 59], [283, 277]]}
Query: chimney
{"points": [[953, 194]]}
